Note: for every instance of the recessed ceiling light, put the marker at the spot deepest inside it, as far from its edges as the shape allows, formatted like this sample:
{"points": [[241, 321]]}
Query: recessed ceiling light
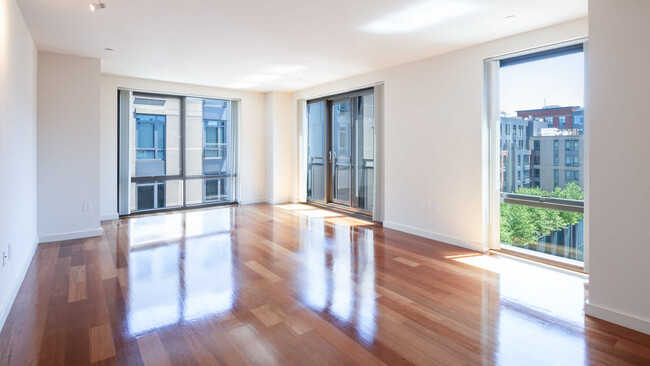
{"points": [[97, 6], [108, 49], [510, 16]]}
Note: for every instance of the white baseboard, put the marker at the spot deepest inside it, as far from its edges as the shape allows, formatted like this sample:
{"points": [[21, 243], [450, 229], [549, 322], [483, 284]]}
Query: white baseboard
{"points": [[71, 235], [113, 216], [623, 320], [15, 287], [442, 238]]}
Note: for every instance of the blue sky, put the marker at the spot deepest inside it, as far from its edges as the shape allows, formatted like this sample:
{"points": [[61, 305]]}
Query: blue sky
{"points": [[559, 79]]}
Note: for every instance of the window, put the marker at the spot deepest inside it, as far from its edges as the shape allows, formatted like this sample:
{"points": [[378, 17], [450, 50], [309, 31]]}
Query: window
{"points": [[572, 145], [182, 149], [150, 196], [571, 176], [215, 190], [215, 146], [572, 160], [525, 225], [578, 120], [549, 121], [518, 160], [215, 141], [150, 131], [150, 144]]}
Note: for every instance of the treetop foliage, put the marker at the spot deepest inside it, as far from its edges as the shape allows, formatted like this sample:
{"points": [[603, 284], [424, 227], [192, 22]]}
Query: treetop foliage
{"points": [[524, 225]]}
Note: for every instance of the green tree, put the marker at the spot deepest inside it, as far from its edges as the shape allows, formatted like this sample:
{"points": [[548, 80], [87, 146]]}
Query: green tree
{"points": [[525, 225]]}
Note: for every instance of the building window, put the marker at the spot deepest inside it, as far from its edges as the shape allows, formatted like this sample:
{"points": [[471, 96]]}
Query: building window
{"points": [[572, 145], [556, 177], [150, 196], [549, 121], [578, 121], [572, 160], [150, 135], [562, 120], [215, 190], [150, 152], [536, 152], [571, 176]]}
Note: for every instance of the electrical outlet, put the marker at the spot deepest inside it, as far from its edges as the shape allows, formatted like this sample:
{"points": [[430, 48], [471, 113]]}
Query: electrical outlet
{"points": [[436, 208], [423, 206], [88, 206], [5, 257]]}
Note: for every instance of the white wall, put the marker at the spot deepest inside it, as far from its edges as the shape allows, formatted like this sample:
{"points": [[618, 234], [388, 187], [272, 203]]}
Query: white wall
{"points": [[434, 148], [252, 172], [17, 151], [281, 147], [619, 249], [68, 146]]}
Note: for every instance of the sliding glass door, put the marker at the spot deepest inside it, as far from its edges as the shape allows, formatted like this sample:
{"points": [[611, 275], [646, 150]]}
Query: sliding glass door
{"points": [[340, 151], [175, 152]]}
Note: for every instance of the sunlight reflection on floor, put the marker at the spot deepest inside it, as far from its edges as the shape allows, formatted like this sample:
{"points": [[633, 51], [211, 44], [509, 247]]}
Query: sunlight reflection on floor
{"points": [[331, 217], [535, 286]]}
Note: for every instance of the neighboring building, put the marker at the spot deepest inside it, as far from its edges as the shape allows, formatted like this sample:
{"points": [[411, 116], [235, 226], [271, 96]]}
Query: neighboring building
{"points": [[557, 158], [562, 118], [515, 154]]}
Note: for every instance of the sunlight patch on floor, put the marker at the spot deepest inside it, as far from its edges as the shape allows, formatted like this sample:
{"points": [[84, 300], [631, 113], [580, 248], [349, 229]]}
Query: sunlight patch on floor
{"points": [[306, 210], [347, 221]]}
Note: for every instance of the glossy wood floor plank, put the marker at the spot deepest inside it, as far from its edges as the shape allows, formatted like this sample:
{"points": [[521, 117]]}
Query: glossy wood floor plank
{"points": [[295, 285]]}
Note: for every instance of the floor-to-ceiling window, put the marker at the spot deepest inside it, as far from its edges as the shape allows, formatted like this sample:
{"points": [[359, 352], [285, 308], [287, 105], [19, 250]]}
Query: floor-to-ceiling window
{"points": [[538, 141], [341, 150], [175, 151]]}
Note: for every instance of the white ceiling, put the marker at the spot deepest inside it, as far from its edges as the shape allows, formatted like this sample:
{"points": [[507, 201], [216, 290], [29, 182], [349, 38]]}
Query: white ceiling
{"points": [[276, 45]]}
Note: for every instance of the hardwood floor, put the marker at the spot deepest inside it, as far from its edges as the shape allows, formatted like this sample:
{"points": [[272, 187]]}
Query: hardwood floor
{"points": [[296, 285]]}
